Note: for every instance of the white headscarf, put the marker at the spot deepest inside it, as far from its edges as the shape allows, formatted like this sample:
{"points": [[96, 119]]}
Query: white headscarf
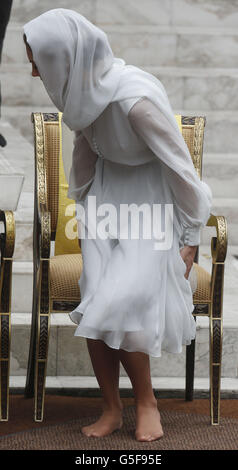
{"points": [[76, 64]]}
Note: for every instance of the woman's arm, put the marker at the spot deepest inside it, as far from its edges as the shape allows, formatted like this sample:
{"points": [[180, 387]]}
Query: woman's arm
{"points": [[193, 197], [83, 168]]}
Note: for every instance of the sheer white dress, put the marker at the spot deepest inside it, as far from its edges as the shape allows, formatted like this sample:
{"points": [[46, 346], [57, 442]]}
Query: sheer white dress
{"points": [[134, 296]]}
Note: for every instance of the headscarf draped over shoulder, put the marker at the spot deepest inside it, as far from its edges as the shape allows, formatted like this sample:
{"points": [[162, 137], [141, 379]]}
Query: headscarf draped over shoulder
{"points": [[80, 72]]}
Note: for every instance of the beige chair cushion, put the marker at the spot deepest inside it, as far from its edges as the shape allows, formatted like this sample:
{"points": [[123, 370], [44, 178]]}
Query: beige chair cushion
{"points": [[203, 291], [65, 272]]}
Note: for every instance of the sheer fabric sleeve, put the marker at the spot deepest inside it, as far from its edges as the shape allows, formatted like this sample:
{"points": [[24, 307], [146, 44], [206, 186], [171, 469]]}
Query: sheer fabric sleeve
{"points": [[192, 197], [82, 171]]}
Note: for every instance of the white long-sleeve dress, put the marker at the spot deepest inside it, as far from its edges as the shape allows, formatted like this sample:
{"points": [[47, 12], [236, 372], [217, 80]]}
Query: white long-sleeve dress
{"points": [[134, 296]]}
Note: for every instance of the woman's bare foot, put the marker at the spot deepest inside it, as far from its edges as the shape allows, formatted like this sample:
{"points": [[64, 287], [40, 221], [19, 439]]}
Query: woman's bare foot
{"points": [[148, 425], [110, 421]]}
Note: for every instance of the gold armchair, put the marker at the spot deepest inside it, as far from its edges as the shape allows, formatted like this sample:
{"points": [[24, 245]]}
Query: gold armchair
{"points": [[208, 297], [7, 242], [56, 277]]}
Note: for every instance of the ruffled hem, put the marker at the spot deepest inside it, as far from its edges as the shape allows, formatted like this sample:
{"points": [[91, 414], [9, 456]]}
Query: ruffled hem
{"points": [[134, 341], [87, 332]]}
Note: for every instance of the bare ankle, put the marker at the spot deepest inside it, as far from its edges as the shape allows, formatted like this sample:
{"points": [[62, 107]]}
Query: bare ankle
{"points": [[146, 403], [112, 407]]}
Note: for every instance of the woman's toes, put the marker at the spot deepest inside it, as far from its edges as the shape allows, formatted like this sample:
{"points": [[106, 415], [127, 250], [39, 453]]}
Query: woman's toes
{"points": [[106, 424], [148, 423], [148, 438], [142, 438]]}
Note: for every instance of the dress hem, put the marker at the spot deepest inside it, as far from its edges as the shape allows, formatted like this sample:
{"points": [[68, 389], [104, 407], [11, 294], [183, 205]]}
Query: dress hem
{"points": [[168, 350], [143, 351], [76, 317]]}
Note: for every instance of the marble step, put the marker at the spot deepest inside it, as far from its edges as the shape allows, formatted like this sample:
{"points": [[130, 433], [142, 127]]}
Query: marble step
{"points": [[166, 387], [68, 354], [220, 171], [220, 131], [150, 12], [170, 46], [212, 89], [169, 12], [184, 46]]}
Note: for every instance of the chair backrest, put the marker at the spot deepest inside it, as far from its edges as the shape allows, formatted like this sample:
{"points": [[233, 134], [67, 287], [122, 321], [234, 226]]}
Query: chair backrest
{"points": [[193, 134], [47, 145]]}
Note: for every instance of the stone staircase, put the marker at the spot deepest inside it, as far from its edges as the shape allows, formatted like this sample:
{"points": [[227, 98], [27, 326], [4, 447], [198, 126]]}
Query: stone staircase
{"points": [[192, 48]]}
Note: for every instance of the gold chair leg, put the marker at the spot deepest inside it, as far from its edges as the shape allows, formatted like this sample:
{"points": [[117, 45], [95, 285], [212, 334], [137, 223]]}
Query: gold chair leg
{"points": [[7, 242], [42, 341], [41, 365], [5, 330], [29, 387], [216, 335], [215, 368]]}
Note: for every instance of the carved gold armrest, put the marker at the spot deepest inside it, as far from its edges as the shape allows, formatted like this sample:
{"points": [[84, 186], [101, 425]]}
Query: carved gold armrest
{"points": [[218, 250], [7, 239], [218, 243]]}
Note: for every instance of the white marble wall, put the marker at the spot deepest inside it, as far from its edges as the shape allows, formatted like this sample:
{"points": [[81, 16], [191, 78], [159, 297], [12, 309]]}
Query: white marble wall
{"points": [[150, 45], [26, 10], [163, 12], [189, 92], [190, 45], [134, 12], [169, 12], [211, 93], [205, 12]]}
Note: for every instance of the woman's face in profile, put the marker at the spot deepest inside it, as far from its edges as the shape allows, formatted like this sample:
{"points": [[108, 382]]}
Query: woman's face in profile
{"points": [[35, 72]]}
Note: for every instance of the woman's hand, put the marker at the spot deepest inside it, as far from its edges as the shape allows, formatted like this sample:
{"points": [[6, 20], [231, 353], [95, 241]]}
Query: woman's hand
{"points": [[188, 255]]}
